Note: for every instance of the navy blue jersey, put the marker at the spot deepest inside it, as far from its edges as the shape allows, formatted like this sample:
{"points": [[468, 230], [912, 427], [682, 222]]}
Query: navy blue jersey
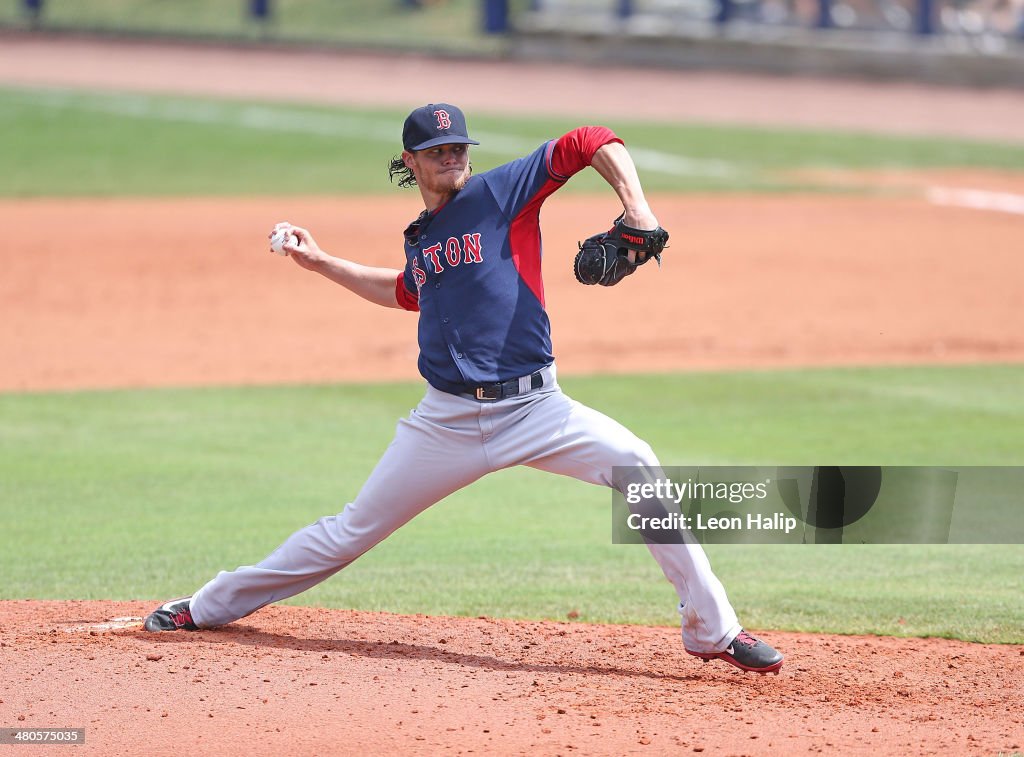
{"points": [[473, 268]]}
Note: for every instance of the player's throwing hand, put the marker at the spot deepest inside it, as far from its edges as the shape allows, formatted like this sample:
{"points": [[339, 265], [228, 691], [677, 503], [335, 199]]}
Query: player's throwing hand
{"points": [[297, 243]]}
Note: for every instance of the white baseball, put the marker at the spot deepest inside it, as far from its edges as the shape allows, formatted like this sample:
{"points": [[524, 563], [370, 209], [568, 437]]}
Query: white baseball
{"points": [[280, 238]]}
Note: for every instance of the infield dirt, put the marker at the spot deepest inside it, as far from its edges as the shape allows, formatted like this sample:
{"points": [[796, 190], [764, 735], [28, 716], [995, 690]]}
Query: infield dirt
{"points": [[126, 293], [111, 293]]}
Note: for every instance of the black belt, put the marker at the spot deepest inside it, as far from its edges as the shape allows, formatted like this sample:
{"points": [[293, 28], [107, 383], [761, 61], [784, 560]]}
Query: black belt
{"points": [[500, 390]]}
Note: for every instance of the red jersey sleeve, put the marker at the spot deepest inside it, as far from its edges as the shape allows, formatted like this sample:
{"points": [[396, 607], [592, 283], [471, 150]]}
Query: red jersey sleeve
{"points": [[405, 299], [573, 152]]}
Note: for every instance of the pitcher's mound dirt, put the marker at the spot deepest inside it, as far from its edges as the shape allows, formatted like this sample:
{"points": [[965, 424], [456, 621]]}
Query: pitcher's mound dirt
{"points": [[293, 680]]}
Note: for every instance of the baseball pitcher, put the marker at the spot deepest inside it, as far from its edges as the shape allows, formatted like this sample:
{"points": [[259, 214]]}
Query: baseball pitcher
{"points": [[473, 273]]}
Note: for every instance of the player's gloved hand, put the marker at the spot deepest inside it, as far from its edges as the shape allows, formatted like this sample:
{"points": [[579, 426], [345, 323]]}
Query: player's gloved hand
{"points": [[605, 259]]}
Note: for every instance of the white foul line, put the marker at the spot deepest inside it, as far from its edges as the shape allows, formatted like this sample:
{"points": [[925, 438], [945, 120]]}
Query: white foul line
{"points": [[977, 199]]}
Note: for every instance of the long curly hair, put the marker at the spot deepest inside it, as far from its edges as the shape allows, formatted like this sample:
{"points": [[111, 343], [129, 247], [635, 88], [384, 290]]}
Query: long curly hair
{"points": [[405, 175]]}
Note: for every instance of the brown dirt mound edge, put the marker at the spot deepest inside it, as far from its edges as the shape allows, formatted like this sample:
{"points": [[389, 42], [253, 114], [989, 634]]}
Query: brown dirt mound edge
{"points": [[316, 681]]}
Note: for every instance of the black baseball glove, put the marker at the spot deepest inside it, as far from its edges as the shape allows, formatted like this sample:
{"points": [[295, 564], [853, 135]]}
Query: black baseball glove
{"points": [[603, 258]]}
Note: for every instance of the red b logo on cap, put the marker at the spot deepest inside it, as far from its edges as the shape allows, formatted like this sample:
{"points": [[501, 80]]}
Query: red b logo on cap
{"points": [[444, 121]]}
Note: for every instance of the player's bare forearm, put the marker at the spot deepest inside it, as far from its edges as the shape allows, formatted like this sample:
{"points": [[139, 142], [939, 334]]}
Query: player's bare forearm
{"points": [[616, 166], [377, 285], [374, 284]]}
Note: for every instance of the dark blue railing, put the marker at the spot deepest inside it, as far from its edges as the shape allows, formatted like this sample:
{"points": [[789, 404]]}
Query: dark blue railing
{"points": [[495, 19]]}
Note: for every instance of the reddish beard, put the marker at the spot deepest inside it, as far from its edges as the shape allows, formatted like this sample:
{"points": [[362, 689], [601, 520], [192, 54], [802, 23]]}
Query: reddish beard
{"points": [[463, 177], [448, 182], [451, 182]]}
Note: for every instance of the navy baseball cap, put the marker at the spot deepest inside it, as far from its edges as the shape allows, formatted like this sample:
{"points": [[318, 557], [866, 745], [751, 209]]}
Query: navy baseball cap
{"points": [[435, 124]]}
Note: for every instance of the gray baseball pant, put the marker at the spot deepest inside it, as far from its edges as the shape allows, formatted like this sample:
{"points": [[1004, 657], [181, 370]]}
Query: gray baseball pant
{"points": [[458, 440]]}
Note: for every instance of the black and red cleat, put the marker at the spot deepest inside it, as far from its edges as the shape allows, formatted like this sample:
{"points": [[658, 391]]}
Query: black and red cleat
{"points": [[747, 652], [172, 616]]}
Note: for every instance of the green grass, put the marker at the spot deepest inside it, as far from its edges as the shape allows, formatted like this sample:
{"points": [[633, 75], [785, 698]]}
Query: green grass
{"points": [[59, 143], [452, 26], [146, 494]]}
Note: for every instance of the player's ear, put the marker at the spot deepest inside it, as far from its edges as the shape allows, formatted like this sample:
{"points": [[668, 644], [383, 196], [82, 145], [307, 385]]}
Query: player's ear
{"points": [[409, 159]]}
